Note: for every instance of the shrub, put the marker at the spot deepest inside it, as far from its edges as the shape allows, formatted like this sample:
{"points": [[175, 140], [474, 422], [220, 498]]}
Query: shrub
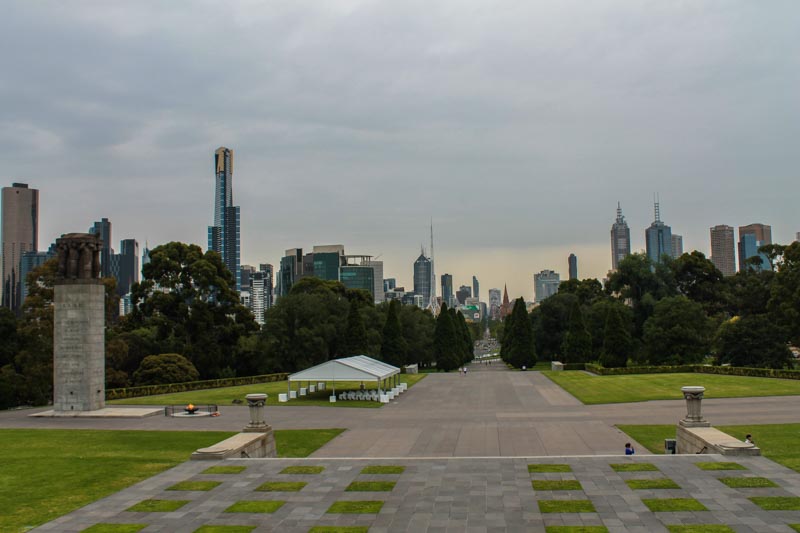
{"points": [[165, 368]]}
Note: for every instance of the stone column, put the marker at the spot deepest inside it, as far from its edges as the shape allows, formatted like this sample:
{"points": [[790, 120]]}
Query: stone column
{"points": [[694, 417], [256, 404]]}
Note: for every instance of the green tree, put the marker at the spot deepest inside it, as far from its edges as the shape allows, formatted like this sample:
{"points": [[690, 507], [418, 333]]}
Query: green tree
{"points": [[587, 290], [617, 344], [784, 299], [418, 329], [8, 333], [518, 348], [577, 347], [639, 280], [464, 339], [700, 280], [677, 333], [445, 341], [165, 368], [753, 341], [355, 340], [394, 346], [550, 321]]}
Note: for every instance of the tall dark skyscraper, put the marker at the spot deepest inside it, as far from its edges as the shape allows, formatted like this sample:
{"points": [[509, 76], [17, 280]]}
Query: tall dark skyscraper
{"points": [[620, 239], [103, 228], [476, 288], [658, 238], [447, 289], [19, 233], [128, 266], [572, 262], [223, 236], [422, 278]]}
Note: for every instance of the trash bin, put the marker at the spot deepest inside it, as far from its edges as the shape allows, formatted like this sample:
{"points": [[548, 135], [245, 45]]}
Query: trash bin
{"points": [[670, 446]]}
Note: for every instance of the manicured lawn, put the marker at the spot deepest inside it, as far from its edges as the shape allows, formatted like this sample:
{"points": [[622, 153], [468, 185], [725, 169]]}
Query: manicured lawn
{"points": [[566, 506], [556, 484], [592, 389], [282, 486], [633, 467], [674, 505], [777, 503], [383, 469], [224, 470], [226, 395], [370, 486], [195, 485], [355, 507], [115, 528], [48, 473], [707, 528], [645, 484], [259, 506], [722, 465], [543, 468], [304, 470], [157, 506], [777, 441], [747, 482], [576, 529]]}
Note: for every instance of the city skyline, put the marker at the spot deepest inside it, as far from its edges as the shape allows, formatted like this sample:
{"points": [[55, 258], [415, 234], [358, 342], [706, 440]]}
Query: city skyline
{"points": [[517, 136]]}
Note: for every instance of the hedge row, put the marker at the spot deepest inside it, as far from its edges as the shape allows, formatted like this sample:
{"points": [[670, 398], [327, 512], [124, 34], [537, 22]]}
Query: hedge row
{"points": [[698, 369], [150, 390]]}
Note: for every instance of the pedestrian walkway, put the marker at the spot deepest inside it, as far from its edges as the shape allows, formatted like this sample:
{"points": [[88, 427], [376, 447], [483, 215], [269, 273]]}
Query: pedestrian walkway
{"points": [[458, 494]]}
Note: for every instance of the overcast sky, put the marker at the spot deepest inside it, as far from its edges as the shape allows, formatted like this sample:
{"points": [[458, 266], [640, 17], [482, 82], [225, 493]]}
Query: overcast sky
{"points": [[516, 126]]}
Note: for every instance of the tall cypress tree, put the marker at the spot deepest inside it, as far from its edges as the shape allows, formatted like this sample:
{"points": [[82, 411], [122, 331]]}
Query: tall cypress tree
{"points": [[355, 341], [465, 338], [445, 345], [518, 349], [577, 346], [617, 345], [393, 346]]}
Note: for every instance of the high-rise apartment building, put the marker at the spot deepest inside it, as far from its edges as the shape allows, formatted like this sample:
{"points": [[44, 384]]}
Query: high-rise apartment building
{"points": [[677, 246], [447, 289], [19, 233], [291, 270], [545, 284], [722, 249], [751, 238], [572, 262], [377, 273], [422, 278], [620, 239], [476, 289], [762, 232], [658, 238], [224, 235]]}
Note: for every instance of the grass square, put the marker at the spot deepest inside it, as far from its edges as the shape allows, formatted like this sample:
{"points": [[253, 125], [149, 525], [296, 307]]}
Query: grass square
{"points": [[370, 486], [747, 482], [576, 529], [544, 468], [634, 467], [674, 505], [303, 470], [224, 470], [643, 484], [556, 484], [719, 466], [195, 485], [258, 506], [281, 486], [566, 506], [339, 529], [114, 528], [355, 507], [777, 503], [383, 469], [157, 506], [225, 529], [796, 527], [700, 528]]}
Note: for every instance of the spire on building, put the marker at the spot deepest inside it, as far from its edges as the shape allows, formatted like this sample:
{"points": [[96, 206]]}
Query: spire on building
{"points": [[657, 208]]}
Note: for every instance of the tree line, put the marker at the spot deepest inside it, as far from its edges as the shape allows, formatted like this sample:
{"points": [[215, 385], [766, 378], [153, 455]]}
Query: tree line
{"points": [[680, 311]]}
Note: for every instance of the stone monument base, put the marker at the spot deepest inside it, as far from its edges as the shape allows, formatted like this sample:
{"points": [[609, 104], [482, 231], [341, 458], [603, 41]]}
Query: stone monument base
{"points": [[107, 412], [711, 440], [247, 445]]}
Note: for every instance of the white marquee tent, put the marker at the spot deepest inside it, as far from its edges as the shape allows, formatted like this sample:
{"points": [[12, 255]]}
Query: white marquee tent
{"points": [[355, 368]]}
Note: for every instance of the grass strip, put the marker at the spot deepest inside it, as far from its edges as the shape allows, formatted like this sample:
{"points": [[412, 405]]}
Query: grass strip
{"points": [[544, 468], [281, 486], [258, 506], [195, 485], [383, 469], [355, 507], [224, 470], [644, 484], [674, 505], [566, 506], [719, 466], [303, 442], [556, 484], [157, 506], [777, 503], [747, 482], [370, 486], [634, 467], [303, 470], [700, 528], [114, 528]]}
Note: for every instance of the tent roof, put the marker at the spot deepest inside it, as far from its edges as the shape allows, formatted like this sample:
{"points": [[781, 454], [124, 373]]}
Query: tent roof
{"points": [[355, 368]]}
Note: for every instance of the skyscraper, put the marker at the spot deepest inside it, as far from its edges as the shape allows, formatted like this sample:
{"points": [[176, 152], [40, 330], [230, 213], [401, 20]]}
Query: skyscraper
{"points": [[422, 278], [223, 236], [463, 293], [377, 271], [572, 261], [495, 300], [751, 238], [620, 239], [658, 238], [762, 232], [677, 246], [128, 266], [476, 289], [19, 233], [722, 249], [103, 228], [546, 284], [447, 289]]}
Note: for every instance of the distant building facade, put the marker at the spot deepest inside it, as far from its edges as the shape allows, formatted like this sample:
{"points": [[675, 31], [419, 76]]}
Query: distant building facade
{"points": [[224, 235], [620, 239], [572, 263], [447, 289], [722, 249], [423, 278], [658, 238], [677, 245], [377, 275], [476, 289], [495, 302], [463, 293], [545, 284], [751, 238], [19, 233]]}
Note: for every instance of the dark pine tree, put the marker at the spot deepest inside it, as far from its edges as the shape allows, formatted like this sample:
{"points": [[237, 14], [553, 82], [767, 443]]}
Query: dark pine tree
{"points": [[617, 343], [445, 342], [355, 341], [518, 349], [577, 347], [394, 346]]}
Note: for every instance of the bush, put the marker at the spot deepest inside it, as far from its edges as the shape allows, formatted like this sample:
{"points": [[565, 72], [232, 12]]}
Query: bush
{"points": [[698, 369], [151, 390], [165, 368]]}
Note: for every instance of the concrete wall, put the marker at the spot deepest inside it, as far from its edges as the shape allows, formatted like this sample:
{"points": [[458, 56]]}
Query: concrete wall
{"points": [[711, 440], [79, 347]]}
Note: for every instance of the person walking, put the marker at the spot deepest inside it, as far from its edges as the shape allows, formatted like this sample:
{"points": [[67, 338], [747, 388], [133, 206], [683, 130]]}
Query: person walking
{"points": [[629, 449]]}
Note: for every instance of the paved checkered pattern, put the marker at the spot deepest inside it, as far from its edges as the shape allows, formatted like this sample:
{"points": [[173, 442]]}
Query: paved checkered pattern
{"points": [[455, 494]]}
